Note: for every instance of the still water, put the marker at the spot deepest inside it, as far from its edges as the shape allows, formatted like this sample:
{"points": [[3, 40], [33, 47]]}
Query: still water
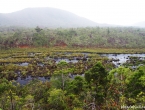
{"points": [[118, 59], [122, 58]]}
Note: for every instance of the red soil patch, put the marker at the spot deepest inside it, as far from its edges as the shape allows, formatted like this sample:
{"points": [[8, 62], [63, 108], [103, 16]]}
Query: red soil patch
{"points": [[60, 44], [24, 46]]}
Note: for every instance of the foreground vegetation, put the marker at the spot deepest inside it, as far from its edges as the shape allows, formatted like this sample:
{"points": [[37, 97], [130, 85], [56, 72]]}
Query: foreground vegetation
{"points": [[74, 76], [91, 82]]}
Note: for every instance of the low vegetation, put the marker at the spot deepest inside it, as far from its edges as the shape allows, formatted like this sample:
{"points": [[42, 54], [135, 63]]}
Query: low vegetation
{"points": [[74, 80], [66, 71]]}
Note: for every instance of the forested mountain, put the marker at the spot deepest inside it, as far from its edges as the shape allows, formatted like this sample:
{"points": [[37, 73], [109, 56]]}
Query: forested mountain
{"points": [[44, 17], [104, 37]]}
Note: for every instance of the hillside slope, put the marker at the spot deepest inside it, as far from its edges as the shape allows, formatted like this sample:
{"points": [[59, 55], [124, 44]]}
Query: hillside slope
{"points": [[45, 17]]}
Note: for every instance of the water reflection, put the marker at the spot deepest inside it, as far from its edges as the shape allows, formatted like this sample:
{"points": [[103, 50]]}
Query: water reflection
{"points": [[119, 59], [24, 64], [24, 81]]}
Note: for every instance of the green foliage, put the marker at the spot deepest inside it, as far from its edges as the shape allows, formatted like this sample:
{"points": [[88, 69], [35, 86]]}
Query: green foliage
{"points": [[38, 29], [104, 37], [97, 77], [60, 79], [118, 79], [91, 82], [97, 74], [57, 99], [119, 75], [5, 85], [77, 85], [136, 82]]}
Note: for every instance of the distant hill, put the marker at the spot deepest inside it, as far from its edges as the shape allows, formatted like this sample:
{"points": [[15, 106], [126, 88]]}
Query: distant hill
{"points": [[45, 17]]}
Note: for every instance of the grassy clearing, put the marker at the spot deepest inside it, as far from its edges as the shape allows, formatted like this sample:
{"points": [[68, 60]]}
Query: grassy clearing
{"points": [[74, 50]]}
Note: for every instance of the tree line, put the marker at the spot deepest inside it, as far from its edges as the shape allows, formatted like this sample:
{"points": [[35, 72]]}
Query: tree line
{"points": [[104, 37]]}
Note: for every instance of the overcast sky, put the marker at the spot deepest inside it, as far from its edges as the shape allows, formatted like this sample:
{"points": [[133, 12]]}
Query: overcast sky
{"points": [[121, 12]]}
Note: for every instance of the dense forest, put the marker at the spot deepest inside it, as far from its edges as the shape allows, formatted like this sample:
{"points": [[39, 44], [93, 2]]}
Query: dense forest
{"points": [[104, 37], [65, 71]]}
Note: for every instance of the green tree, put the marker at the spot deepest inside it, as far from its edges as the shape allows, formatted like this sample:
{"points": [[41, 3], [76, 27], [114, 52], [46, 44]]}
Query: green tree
{"points": [[97, 79], [136, 83], [38, 29], [77, 85], [62, 75], [118, 79], [57, 99]]}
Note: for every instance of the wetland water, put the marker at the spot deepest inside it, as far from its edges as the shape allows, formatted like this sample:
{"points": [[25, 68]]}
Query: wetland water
{"points": [[117, 60], [29, 78]]}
